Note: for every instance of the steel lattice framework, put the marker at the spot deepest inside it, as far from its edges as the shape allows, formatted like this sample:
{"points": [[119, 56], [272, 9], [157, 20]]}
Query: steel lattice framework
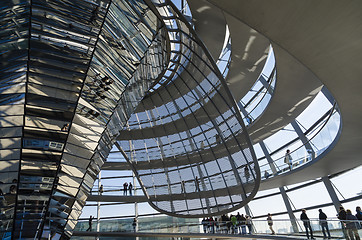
{"points": [[187, 142], [73, 73]]}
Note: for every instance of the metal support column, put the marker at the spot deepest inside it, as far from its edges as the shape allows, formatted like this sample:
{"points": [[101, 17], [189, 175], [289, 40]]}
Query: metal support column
{"points": [[286, 200], [268, 158], [332, 193], [304, 139], [293, 220], [328, 95], [265, 83]]}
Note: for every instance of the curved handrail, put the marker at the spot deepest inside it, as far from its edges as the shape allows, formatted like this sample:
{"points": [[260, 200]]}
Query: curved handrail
{"points": [[300, 161]]}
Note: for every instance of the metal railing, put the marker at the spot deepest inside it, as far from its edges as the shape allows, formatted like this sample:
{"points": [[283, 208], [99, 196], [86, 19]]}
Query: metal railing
{"points": [[336, 228]]}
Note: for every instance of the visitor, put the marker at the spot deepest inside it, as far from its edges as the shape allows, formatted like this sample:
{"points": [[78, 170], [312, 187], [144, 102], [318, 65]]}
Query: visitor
{"points": [[351, 225], [90, 223], [238, 217], [197, 187], [288, 159], [130, 186], [324, 224], [248, 223], [306, 223], [101, 190], [134, 224], [270, 223], [359, 216], [183, 187], [234, 226], [243, 224], [247, 173], [204, 224], [342, 216], [125, 188]]}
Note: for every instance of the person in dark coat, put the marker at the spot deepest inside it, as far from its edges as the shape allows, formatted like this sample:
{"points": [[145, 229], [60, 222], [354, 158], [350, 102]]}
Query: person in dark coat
{"points": [[342, 216], [324, 224], [351, 225], [130, 188], [306, 224], [125, 188], [90, 220]]}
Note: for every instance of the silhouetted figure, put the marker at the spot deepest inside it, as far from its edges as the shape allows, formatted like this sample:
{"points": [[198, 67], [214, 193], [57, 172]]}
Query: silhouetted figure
{"points": [[130, 188], [306, 223], [270, 223], [183, 190], [342, 216], [243, 224], [288, 159], [90, 223], [266, 174], [352, 226], [204, 224], [247, 173], [359, 214], [324, 224], [134, 224], [125, 188], [197, 187], [101, 190]]}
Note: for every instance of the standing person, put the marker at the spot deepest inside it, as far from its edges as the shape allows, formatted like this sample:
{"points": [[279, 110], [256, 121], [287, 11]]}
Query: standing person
{"points": [[234, 223], [183, 187], [204, 224], [247, 173], [125, 188], [359, 216], [238, 217], [101, 189], [216, 223], [90, 220], [134, 224], [248, 223], [197, 187], [306, 223], [351, 226], [130, 186], [212, 225], [243, 224], [342, 216], [324, 224], [288, 159], [270, 223]]}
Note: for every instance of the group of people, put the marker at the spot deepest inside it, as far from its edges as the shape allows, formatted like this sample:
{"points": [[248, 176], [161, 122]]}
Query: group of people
{"points": [[350, 223], [235, 224], [127, 187]]}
